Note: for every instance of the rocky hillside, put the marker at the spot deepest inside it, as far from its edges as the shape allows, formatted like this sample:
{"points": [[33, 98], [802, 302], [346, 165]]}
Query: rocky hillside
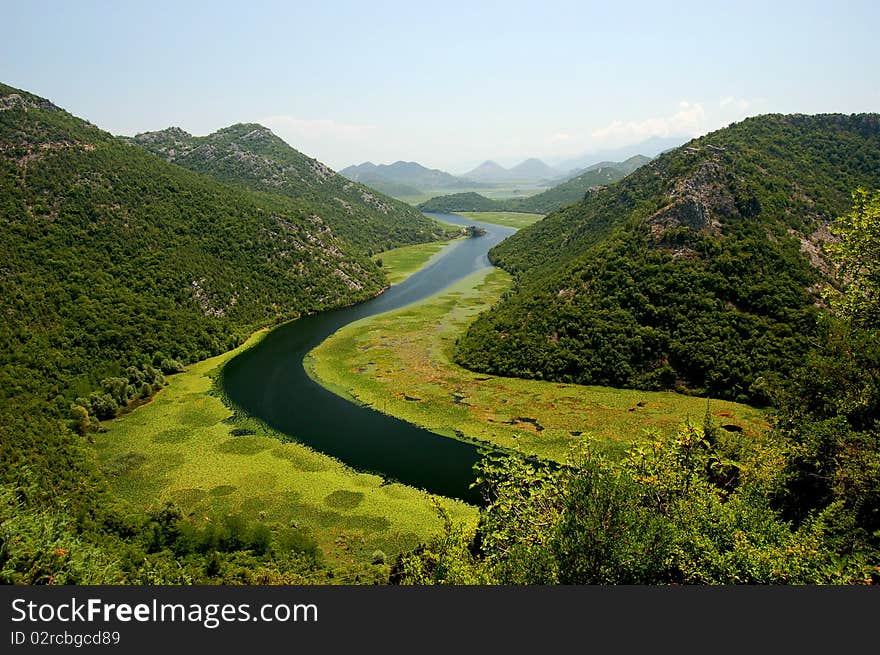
{"points": [[701, 271], [251, 157], [113, 257]]}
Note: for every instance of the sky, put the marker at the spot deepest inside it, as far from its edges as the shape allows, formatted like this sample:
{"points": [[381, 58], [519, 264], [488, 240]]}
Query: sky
{"points": [[446, 84]]}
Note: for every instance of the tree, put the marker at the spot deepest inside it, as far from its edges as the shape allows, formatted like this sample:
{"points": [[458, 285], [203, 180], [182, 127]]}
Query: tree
{"points": [[857, 255], [79, 417]]}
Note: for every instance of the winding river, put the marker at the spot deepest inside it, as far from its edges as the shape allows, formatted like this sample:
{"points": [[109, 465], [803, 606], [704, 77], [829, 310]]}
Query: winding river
{"points": [[269, 382]]}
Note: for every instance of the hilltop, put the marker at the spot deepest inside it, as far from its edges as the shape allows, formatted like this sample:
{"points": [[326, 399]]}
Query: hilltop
{"points": [[700, 272], [250, 156]]}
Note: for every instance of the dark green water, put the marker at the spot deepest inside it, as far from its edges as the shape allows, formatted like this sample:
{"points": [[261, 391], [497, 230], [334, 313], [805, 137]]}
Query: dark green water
{"points": [[269, 382]]}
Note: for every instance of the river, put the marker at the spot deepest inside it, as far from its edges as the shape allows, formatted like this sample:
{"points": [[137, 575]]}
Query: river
{"points": [[270, 383]]}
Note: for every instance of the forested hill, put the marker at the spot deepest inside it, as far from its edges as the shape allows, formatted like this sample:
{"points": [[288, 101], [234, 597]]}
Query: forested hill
{"points": [[250, 156], [113, 258], [701, 271], [574, 189]]}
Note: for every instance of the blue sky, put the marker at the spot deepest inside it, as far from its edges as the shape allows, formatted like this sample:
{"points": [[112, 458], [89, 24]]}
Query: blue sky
{"points": [[446, 84]]}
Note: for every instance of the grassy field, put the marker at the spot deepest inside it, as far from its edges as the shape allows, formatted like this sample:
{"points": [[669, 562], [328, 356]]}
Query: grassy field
{"points": [[400, 364], [510, 219], [181, 447], [400, 263]]}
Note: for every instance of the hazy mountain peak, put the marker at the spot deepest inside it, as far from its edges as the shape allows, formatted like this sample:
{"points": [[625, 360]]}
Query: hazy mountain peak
{"points": [[488, 171]]}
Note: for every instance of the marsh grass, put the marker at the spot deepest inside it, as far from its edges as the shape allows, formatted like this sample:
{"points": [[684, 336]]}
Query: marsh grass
{"points": [[510, 219], [400, 363], [187, 447], [400, 263]]}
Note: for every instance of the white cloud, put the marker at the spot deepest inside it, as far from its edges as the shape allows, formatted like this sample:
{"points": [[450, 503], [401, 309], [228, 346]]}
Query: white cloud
{"points": [[560, 136], [737, 105], [688, 120]]}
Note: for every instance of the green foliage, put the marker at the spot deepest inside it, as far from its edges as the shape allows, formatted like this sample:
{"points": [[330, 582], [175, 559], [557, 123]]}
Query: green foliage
{"points": [[689, 273], [857, 255], [830, 412], [705, 507], [655, 517], [251, 157], [469, 201]]}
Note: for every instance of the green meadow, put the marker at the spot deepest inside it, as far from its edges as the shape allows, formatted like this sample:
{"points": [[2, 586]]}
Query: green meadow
{"points": [[402, 262], [400, 363], [185, 447], [510, 219]]}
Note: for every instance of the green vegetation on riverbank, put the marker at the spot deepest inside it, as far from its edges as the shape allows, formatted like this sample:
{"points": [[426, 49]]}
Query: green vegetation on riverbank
{"points": [[400, 363], [183, 448], [402, 262], [508, 219]]}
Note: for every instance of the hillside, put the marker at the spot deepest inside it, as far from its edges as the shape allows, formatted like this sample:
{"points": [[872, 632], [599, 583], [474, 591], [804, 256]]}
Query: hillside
{"points": [[402, 175], [626, 166], [567, 192], [547, 201], [251, 157], [701, 271], [114, 258]]}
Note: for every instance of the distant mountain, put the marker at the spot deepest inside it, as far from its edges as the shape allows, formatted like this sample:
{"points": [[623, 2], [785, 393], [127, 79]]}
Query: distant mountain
{"points": [[388, 187], [649, 147], [488, 171], [409, 174], [250, 156], [701, 271], [550, 200], [532, 170]]}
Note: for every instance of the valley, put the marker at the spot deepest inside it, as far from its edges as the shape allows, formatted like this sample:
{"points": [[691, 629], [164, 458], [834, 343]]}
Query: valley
{"points": [[653, 371]]}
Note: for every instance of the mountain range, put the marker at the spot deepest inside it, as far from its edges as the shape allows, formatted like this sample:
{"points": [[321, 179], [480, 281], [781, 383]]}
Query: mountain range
{"points": [[410, 179], [531, 170], [402, 178], [650, 147], [554, 198]]}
